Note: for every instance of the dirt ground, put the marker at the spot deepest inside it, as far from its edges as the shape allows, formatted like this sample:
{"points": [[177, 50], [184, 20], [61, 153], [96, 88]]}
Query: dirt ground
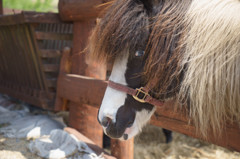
{"points": [[15, 149], [148, 145]]}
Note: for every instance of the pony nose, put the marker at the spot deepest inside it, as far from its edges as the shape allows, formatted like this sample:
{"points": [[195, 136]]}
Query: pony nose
{"points": [[106, 121]]}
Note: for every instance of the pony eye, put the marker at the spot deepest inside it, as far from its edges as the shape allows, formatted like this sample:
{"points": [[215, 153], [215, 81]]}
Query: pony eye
{"points": [[139, 53]]}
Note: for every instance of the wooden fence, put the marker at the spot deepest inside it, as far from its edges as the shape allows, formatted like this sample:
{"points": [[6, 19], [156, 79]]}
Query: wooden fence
{"points": [[30, 48]]}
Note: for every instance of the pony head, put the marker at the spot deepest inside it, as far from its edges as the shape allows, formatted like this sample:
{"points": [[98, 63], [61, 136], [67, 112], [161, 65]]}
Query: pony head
{"points": [[137, 35]]}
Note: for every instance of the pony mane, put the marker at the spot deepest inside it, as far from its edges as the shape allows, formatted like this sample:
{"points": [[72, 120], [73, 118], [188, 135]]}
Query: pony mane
{"points": [[212, 56], [165, 49], [123, 28]]}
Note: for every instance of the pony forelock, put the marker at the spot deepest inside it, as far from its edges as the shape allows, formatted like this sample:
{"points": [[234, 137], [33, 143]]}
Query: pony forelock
{"points": [[124, 27]]}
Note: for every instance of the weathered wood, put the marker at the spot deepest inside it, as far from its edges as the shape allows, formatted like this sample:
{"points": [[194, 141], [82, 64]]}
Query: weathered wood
{"points": [[52, 82], [50, 68], [79, 89], [29, 17], [82, 116], [122, 149], [53, 36], [89, 142], [34, 100], [79, 10], [1, 7], [37, 17], [50, 53], [22, 63], [65, 67]]}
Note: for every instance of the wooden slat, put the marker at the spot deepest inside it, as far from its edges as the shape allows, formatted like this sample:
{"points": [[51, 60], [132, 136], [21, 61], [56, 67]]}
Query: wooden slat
{"points": [[81, 89], [6, 20], [37, 101], [50, 53], [1, 7], [50, 68], [65, 66], [53, 36], [51, 82], [37, 17], [230, 138], [36, 57], [30, 17]]}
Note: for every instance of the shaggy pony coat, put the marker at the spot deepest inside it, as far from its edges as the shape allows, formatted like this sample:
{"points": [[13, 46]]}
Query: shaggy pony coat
{"points": [[192, 51], [212, 56]]}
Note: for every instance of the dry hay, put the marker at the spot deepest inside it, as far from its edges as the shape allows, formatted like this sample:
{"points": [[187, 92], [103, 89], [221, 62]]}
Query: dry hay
{"points": [[150, 144]]}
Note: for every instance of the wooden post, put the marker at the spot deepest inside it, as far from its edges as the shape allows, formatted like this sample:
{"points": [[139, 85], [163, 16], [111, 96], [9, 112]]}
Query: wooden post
{"points": [[82, 116], [122, 149], [79, 10], [1, 7]]}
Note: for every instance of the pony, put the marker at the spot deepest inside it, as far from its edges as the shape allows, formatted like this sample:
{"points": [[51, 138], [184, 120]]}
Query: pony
{"points": [[183, 50]]}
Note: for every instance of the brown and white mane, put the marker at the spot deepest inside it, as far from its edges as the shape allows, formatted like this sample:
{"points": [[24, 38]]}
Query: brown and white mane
{"points": [[192, 52]]}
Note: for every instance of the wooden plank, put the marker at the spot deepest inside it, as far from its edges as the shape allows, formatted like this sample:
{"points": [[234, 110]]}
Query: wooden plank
{"points": [[37, 59], [37, 101], [89, 142], [79, 89], [29, 17], [53, 36], [38, 17], [230, 137], [65, 67], [79, 10], [78, 112], [51, 82], [50, 67], [6, 20], [50, 53]]}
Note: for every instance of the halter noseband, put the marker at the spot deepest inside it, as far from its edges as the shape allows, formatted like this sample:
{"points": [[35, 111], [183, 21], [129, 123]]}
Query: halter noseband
{"points": [[139, 94]]}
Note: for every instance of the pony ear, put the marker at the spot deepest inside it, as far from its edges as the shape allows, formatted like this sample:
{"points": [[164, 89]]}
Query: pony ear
{"points": [[148, 4]]}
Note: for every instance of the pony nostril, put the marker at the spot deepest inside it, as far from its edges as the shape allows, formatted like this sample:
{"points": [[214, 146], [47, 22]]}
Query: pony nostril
{"points": [[106, 121]]}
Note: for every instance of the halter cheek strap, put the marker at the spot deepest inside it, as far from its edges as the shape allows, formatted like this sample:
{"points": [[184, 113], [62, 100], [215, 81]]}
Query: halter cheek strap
{"points": [[139, 94]]}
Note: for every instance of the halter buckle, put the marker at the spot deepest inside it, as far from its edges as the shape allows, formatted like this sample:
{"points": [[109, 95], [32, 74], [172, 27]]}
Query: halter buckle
{"points": [[140, 95]]}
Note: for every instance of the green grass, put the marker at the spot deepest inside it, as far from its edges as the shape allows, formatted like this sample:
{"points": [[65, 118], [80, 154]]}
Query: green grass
{"points": [[32, 5]]}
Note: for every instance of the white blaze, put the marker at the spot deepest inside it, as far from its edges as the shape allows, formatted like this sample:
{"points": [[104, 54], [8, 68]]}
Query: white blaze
{"points": [[114, 99]]}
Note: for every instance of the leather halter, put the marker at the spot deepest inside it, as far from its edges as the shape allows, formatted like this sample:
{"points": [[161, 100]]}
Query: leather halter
{"points": [[140, 94]]}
